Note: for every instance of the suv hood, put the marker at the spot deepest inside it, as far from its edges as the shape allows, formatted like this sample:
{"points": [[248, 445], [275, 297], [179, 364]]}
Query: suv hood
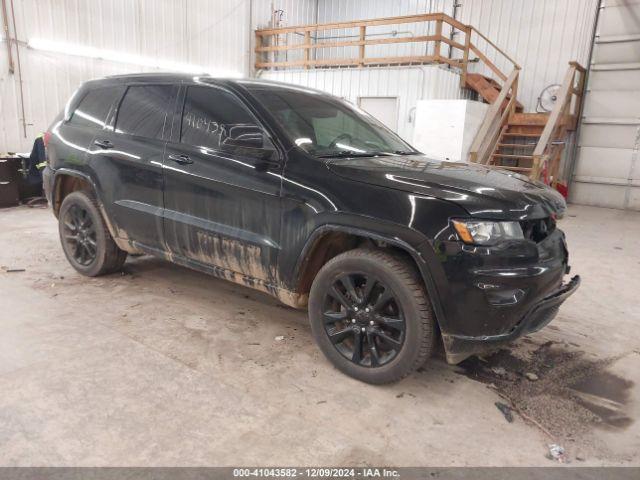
{"points": [[483, 192]]}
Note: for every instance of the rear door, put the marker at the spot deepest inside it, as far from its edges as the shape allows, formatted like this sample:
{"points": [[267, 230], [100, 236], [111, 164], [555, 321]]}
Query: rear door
{"points": [[222, 206], [127, 157], [72, 136]]}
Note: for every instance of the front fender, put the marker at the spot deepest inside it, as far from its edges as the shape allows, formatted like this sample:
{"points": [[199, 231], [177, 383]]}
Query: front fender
{"points": [[408, 240]]}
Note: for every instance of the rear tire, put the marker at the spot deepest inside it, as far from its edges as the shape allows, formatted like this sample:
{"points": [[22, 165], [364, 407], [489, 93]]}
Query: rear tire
{"points": [[85, 239], [371, 315]]}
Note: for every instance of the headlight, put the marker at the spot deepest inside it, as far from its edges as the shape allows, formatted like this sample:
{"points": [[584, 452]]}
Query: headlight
{"points": [[481, 232]]}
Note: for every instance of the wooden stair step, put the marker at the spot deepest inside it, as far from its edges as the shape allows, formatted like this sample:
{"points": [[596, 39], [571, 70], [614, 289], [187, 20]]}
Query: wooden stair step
{"points": [[514, 169], [517, 145], [530, 129], [504, 155], [487, 88], [529, 119], [516, 134]]}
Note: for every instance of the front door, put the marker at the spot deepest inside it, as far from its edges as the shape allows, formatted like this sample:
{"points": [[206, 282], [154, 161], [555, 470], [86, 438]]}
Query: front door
{"points": [[222, 204]]}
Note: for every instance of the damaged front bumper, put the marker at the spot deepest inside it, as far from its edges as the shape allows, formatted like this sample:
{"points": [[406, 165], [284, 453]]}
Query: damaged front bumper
{"points": [[459, 347]]}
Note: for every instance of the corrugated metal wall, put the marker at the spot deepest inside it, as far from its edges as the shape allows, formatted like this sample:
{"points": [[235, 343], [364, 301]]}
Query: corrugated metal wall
{"points": [[408, 85], [540, 34], [338, 11], [607, 172], [215, 34]]}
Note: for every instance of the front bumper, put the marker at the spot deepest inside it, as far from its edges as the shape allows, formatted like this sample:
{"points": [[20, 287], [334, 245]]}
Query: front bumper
{"points": [[490, 295], [459, 347]]}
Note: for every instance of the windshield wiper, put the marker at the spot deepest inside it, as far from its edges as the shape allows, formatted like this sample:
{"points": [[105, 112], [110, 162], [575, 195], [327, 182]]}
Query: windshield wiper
{"points": [[349, 154], [406, 152]]}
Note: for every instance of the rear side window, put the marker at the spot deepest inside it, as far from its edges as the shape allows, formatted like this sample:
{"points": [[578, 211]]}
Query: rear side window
{"points": [[93, 109], [210, 115], [145, 109]]}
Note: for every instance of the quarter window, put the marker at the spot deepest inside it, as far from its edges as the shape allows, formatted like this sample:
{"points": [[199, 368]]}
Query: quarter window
{"points": [[211, 115], [93, 109], [144, 110]]}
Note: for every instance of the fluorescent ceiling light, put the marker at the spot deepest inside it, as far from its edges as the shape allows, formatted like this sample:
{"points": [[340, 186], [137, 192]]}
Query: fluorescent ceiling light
{"points": [[121, 57]]}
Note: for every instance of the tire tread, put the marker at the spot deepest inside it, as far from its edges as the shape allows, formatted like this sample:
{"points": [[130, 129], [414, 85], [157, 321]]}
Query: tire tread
{"points": [[114, 257], [407, 272]]}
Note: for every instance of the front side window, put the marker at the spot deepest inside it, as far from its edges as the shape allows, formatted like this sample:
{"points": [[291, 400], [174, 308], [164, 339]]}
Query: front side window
{"points": [[93, 109], [213, 118], [145, 109], [326, 127]]}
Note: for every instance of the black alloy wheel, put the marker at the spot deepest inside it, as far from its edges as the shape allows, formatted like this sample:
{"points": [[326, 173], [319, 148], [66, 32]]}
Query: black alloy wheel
{"points": [[86, 240], [371, 316], [79, 234], [364, 320]]}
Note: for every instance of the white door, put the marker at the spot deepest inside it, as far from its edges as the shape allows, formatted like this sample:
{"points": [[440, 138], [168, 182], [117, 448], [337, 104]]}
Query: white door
{"points": [[384, 109]]}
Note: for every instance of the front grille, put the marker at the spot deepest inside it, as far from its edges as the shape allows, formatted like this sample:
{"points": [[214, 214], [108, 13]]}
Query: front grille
{"points": [[538, 230]]}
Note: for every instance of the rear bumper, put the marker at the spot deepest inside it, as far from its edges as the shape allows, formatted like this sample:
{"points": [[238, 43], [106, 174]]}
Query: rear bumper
{"points": [[47, 183], [459, 347]]}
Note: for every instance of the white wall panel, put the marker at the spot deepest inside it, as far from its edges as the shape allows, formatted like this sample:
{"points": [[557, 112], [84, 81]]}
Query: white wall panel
{"points": [[341, 10], [542, 36], [214, 34], [607, 171], [409, 84]]}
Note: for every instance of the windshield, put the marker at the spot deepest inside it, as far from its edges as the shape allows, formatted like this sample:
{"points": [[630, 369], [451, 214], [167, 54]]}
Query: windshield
{"points": [[328, 127]]}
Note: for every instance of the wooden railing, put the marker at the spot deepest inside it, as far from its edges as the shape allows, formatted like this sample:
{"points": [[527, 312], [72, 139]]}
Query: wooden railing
{"points": [[272, 42], [563, 117], [299, 47], [495, 120]]}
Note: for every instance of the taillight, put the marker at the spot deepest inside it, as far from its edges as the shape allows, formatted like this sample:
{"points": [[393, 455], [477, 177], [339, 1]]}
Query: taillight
{"points": [[45, 138]]}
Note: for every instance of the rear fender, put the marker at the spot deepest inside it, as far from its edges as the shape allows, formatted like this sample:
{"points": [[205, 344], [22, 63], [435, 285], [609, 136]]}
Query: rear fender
{"points": [[119, 236]]}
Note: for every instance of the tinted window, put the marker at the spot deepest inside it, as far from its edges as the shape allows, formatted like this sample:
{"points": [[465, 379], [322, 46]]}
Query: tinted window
{"points": [[325, 126], [93, 109], [144, 110], [211, 115]]}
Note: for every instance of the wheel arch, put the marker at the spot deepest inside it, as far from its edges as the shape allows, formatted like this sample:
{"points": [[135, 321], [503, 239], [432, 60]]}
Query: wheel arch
{"points": [[329, 240], [66, 181]]}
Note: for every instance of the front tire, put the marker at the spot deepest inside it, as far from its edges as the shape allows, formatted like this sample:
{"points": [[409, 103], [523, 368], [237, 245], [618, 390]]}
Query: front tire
{"points": [[85, 239], [371, 316]]}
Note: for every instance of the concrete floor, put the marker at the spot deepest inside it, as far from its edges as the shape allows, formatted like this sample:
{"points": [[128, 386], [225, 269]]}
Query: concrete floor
{"points": [[165, 366]]}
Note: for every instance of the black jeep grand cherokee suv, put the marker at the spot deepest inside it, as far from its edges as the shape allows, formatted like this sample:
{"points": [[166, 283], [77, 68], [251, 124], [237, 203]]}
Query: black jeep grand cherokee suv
{"points": [[301, 195]]}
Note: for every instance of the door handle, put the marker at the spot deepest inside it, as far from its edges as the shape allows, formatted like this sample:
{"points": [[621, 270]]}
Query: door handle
{"points": [[103, 143], [181, 159]]}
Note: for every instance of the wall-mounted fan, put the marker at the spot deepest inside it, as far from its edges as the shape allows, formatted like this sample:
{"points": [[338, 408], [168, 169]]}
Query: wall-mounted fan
{"points": [[548, 98]]}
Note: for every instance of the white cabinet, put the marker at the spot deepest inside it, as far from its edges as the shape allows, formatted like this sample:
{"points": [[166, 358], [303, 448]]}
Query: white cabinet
{"points": [[445, 129]]}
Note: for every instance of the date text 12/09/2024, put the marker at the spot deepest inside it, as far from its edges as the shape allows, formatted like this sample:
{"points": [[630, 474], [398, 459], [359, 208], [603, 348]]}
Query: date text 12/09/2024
{"points": [[367, 472]]}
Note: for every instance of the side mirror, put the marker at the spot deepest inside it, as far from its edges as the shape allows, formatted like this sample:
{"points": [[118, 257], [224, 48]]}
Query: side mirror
{"points": [[244, 136], [249, 141]]}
